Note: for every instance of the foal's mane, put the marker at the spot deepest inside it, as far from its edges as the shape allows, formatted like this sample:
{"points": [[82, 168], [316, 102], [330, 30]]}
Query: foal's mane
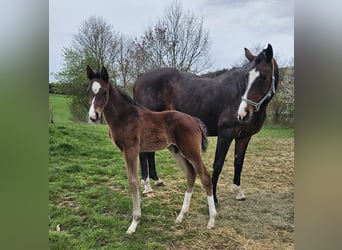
{"points": [[124, 95]]}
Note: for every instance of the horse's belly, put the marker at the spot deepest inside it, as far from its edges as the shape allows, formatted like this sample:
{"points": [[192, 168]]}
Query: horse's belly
{"points": [[149, 144]]}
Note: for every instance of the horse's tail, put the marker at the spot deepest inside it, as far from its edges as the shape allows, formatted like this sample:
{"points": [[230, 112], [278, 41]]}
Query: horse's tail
{"points": [[204, 135]]}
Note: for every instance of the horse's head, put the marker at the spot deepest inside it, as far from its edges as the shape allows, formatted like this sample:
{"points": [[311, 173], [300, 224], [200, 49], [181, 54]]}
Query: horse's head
{"points": [[262, 79], [98, 90]]}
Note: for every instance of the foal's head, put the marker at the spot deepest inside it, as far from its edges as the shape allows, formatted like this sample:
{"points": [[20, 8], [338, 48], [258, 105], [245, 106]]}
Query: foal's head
{"points": [[98, 90], [262, 78]]}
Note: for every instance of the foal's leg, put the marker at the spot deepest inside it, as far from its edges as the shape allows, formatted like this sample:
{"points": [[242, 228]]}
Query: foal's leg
{"points": [[192, 152], [132, 174], [190, 177], [206, 182]]}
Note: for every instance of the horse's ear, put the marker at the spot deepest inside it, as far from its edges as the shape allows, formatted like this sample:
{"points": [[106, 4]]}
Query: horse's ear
{"points": [[249, 55], [90, 73], [269, 52], [104, 74]]}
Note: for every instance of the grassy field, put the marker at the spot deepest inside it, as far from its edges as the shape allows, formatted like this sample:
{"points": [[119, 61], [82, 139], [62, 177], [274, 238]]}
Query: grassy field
{"points": [[90, 205], [59, 107]]}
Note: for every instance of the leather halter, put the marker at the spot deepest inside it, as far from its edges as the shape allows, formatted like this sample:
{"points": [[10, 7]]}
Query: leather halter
{"points": [[269, 94]]}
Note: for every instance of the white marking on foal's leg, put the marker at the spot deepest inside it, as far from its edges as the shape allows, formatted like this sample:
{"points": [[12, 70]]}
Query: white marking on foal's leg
{"points": [[136, 213], [237, 190], [132, 227], [212, 212], [185, 207]]}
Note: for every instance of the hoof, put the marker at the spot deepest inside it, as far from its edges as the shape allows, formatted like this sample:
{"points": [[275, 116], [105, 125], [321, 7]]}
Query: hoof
{"points": [[240, 197], [210, 226], [217, 205], [159, 183], [239, 194], [148, 193]]}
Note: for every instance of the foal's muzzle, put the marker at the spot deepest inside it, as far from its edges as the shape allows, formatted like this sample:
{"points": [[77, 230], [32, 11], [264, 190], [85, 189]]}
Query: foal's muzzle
{"points": [[94, 118]]}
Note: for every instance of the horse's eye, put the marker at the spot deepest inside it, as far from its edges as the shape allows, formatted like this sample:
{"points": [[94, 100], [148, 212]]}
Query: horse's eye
{"points": [[104, 93]]}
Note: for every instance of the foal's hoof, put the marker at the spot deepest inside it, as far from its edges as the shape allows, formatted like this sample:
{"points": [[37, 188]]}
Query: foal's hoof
{"points": [[210, 226]]}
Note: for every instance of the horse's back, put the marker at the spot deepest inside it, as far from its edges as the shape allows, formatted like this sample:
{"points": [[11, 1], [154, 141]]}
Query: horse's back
{"points": [[202, 97], [155, 88]]}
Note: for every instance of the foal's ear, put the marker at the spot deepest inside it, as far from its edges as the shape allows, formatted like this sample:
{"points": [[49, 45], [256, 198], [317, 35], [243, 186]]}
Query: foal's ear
{"points": [[249, 55], [269, 52], [104, 74], [90, 73]]}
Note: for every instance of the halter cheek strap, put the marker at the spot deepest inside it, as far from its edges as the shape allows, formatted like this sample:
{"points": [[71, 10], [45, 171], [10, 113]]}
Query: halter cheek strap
{"points": [[269, 94]]}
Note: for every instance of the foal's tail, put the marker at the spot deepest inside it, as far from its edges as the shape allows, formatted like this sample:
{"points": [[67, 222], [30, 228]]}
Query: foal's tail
{"points": [[204, 135]]}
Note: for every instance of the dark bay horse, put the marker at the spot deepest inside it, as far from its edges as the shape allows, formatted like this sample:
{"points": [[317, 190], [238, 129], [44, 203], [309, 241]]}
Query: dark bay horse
{"points": [[135, 129], [231, 105]]}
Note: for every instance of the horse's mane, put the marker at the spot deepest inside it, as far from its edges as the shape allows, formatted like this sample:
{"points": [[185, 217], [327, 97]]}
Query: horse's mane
{"points": [[125, 96]]}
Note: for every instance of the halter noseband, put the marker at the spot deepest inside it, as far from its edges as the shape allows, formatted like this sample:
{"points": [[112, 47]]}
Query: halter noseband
{"points": [[269, 94]]}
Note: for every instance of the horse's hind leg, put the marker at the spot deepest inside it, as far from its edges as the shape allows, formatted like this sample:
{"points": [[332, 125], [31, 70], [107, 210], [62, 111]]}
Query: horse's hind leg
{"points": [[190, 177], [143, 157], [152, 172]]}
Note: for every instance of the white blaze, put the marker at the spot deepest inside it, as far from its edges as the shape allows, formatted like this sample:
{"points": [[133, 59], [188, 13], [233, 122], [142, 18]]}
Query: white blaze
{"points": [[91, 112], [252, 75], [96, 87]]}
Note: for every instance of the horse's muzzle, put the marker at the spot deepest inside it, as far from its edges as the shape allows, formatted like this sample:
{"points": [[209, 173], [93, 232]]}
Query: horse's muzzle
{"points": [[95, 118]]}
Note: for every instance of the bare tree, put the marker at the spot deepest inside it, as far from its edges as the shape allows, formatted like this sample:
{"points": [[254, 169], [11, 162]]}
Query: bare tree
{"points": [[97, 40], [95, 44], [125, 63], [177, 40], [282, 105]]}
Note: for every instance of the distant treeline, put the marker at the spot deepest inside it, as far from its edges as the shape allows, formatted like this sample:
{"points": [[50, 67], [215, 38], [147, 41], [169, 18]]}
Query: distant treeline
{"points": [[56, 88]]}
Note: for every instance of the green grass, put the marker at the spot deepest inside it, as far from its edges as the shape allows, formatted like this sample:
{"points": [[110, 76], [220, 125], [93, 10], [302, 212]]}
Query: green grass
{"points": [[90, 201], [59, 106]]}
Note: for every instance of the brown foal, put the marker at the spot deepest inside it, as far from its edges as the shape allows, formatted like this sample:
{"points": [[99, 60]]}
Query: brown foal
{"points": [[135, 129]]}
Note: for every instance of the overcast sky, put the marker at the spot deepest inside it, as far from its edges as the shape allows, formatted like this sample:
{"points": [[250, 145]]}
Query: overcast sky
{"points": [[232, 24]]}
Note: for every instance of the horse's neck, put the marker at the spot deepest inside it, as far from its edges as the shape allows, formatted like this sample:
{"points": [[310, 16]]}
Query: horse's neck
{"points": [[118, 109]]}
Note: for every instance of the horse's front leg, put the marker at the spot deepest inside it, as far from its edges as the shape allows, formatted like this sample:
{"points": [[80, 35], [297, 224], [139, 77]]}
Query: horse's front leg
{"points": [[241, 145], [223, 143], [132, 174]]}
